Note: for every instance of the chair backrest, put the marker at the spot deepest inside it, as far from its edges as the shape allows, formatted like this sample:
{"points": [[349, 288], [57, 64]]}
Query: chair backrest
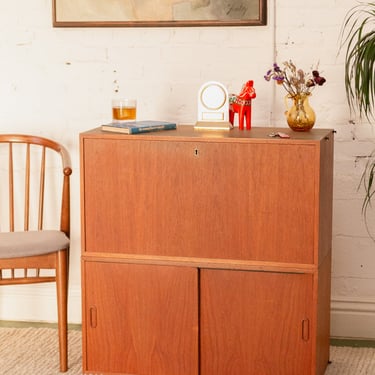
{"points": [[35, 186]]}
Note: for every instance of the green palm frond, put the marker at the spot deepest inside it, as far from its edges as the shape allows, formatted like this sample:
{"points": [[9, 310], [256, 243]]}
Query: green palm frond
{"points": [[358, 35], [368, 182]]}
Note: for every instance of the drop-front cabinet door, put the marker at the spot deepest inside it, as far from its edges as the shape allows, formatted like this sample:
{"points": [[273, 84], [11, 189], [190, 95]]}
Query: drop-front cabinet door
{"points": [[140, 319], [223, 200], [256, 323]]}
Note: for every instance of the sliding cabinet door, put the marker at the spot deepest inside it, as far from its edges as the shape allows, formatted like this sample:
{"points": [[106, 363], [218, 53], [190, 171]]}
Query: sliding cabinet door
{"points": [[140, 319], [255, 323]]}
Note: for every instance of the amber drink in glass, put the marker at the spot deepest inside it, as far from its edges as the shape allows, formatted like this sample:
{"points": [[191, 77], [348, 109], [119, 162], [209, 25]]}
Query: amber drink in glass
{"points": [[124, 110]]}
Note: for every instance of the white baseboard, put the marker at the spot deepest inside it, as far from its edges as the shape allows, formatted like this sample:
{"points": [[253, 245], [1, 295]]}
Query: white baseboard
{"points": [[353, 318], [37, 303]]}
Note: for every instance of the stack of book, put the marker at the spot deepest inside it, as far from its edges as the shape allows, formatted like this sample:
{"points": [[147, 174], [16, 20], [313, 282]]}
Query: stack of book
{"points": [[136, 127]]}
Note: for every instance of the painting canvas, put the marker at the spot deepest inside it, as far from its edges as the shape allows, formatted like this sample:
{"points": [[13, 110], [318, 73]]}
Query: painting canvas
{"points": [[70, 13]]}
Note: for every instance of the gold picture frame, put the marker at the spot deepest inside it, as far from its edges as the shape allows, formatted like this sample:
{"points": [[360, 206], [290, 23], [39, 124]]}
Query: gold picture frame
{"points": [[158, 13]]}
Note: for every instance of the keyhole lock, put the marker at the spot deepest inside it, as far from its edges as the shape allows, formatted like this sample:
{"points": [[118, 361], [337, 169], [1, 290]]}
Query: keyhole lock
{"points": [[196, 152]]}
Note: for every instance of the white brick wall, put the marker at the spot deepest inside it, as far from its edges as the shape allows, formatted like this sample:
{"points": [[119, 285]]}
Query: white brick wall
{"points": [[59, 81]]}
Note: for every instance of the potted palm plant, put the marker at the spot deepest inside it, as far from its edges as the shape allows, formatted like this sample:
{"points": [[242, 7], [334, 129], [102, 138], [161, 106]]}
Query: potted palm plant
{"points": [[358, 39]]}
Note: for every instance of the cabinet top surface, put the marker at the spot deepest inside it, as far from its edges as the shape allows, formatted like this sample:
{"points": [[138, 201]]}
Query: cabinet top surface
{"points": [[187, 132]]}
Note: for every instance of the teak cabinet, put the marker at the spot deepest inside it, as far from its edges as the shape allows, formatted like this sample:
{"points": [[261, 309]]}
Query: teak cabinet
{"points": [[206, 252]]}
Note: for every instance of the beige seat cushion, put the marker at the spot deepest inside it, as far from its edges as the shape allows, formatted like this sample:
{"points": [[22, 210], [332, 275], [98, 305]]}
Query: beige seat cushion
{"points": [[21, 244]]}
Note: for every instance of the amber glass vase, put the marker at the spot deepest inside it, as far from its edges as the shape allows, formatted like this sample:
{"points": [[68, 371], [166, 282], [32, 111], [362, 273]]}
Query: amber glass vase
{"points": [[300, 116]]}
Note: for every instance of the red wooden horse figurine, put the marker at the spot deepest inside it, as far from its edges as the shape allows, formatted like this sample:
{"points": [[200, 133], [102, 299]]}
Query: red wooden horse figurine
{"points": [[241, 104]]}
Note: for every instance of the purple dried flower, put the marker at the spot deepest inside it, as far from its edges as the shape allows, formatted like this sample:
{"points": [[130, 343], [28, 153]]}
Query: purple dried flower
{"points": [[319, 80], [278, 78]]}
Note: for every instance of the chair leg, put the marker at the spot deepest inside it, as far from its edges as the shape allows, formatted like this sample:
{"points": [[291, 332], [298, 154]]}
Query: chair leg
{"points": [[62, 306]]}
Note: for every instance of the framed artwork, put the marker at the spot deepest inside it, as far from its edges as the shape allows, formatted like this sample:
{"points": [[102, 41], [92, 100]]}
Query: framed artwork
{"points": [[158, 13]]}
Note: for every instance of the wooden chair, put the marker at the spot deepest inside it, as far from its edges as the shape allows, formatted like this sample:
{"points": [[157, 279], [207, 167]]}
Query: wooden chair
{"points": [[34, 223]]}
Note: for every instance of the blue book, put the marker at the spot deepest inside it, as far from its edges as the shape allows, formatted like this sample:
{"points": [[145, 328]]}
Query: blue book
{"points": [[136, 127]]}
